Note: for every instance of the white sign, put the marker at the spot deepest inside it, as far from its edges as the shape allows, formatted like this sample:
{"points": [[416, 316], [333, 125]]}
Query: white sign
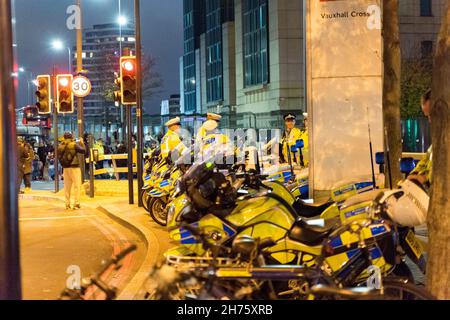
{"points": [[81, 86], [344, 88]]}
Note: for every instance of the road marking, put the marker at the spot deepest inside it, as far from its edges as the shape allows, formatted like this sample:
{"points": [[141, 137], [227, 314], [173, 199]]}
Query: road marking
{"points": [[58, 218]]}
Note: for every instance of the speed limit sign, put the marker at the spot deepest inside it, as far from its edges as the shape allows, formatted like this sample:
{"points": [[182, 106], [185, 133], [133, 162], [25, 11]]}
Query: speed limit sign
{"points": [[81, 86]]}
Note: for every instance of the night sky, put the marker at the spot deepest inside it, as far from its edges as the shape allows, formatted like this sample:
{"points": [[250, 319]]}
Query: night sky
{"points": [[38, 22]]}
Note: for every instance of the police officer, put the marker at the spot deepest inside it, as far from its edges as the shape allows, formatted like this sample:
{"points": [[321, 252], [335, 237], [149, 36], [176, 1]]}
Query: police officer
{"points": [[172, 141], [290, 137], [202, 132], [423, 172], [304, 137]]}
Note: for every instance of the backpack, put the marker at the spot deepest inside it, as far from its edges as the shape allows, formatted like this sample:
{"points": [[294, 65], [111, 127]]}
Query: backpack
{"points": [[66, 156]]}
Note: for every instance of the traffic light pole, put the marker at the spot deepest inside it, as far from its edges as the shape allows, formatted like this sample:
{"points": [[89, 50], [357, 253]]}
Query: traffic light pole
{"points": [[140, 129], [10, 284], [80, 108], [55, 130], [130, 156]]}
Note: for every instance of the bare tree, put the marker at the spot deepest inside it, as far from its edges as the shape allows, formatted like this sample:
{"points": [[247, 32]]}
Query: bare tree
{"points": [[392, 86], [151, 80], [438, 270]]}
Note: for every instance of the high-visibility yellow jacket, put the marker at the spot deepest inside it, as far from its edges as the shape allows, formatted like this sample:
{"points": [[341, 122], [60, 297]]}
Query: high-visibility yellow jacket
{"points": [[213, 140], [201, 134], [101, 149], [305, 150], [170, 142], [425, 166], [290, 139]]}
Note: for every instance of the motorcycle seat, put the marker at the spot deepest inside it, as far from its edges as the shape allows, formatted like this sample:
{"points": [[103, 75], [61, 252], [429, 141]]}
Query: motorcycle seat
{"points": [[311, 235], [309, 211]]}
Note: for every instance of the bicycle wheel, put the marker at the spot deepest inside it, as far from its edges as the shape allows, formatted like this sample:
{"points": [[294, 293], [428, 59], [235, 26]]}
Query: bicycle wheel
{"points": [[401, 290]]}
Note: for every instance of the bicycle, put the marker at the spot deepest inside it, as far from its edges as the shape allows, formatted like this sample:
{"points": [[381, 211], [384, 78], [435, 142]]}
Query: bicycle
{"points": [[96, 280]]}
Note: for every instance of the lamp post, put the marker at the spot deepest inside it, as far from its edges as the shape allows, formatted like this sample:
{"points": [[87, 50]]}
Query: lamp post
{"points": [[140, 129], [121, 22], [30, 80], [59, 45]]}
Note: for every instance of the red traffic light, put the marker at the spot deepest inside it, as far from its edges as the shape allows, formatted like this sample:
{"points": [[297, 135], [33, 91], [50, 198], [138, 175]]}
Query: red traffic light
{"points": [[128, 65], [64, 93], [64, 81]]}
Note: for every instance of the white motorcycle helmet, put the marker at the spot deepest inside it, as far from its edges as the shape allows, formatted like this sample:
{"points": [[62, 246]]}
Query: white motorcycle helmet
{"points": [[407, 206]]}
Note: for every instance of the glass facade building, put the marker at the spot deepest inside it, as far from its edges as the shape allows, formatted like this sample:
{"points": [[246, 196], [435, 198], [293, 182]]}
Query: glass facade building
{"points": [[193, 12], [217, 12], [101, 54], [255, 41], [204, 17]]}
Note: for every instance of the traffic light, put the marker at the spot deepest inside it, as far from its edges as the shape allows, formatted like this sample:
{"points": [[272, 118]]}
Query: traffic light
{"points": [[43, 94], [64, 93], [128, 80]]}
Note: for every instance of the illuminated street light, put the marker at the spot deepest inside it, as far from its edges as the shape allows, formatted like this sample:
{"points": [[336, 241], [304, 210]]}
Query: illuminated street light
{"points": [[122, 20], [59, 45]]}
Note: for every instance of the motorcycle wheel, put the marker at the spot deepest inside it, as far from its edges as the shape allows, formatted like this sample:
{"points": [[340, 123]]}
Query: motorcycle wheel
{"points": [[144, 197], [156, 208]]}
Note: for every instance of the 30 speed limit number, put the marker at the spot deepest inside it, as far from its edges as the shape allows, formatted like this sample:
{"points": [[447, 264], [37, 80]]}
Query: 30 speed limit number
{"points": [[81, 86]]}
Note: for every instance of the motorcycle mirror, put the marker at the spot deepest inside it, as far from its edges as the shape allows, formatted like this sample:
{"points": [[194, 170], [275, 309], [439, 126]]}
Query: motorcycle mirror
{"points": [[407, 165], [294, 149], [379, 158], [300, 144]]}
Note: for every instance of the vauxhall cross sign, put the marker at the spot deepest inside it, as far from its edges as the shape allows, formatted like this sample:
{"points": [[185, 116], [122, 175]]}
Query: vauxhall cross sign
{"points": [[81, 86]]}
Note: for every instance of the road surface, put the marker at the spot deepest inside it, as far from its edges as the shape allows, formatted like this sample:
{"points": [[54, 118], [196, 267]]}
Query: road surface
{"points": [[53, 240]]}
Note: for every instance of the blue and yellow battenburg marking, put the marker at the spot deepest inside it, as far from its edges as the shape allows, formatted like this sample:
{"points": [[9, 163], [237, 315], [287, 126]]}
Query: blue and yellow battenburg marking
{"points": [[340, 194], [337, 261], [186, 237]]}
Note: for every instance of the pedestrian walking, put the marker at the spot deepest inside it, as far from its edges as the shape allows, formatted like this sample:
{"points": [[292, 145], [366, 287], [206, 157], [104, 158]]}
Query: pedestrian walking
{"points": [[22, 157], [28, 167], [68, 152], [37, 168]]}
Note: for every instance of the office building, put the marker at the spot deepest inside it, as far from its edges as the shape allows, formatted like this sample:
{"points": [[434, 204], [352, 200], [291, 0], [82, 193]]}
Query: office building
{"points": [[420, 23], [102, 45]]}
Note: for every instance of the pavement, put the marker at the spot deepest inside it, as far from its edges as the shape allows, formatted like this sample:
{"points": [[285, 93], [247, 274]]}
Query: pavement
{"points": [[54, 239]]}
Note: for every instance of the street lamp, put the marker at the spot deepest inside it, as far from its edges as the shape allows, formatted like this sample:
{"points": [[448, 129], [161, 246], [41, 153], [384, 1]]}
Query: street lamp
{"points": [[122, 20], [58, 45], [29, 80]]}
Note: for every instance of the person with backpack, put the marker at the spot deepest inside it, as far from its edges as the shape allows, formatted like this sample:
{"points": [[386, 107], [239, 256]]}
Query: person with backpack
{"points": [[68, 151]]}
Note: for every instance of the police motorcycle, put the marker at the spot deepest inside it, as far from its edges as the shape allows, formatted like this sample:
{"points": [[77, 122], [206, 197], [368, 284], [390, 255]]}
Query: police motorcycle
{"points": [[151, 162], [160, 195], [162, 190], [208, 201], [357, 254], [206, 198]]}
